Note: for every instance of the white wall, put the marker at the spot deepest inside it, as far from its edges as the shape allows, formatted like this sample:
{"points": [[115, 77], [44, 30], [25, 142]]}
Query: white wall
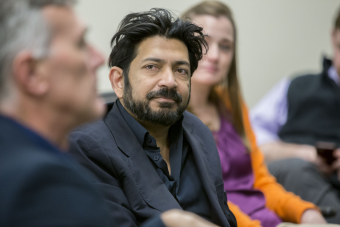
{"points": [[277, 38]]}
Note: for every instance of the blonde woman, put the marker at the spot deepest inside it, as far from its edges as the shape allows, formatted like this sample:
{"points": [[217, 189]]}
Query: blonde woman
{"points": [[254, 196]]}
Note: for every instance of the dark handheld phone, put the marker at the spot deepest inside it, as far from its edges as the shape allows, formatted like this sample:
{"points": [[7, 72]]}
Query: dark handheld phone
{"points": [[325, 150]]}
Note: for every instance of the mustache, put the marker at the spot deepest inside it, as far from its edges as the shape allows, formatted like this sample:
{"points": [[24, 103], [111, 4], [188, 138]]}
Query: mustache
{"points": [[166, 93]]}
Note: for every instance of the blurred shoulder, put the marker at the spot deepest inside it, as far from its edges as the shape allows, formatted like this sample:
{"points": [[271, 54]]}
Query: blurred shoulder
{"points": [[45, 177]]}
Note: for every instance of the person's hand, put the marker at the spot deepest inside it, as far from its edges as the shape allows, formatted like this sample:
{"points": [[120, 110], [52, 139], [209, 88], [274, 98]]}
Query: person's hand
{"points": [[323, 166], [306, 152], [336, 164], [312, 216], [179, 218], [309, 154]]}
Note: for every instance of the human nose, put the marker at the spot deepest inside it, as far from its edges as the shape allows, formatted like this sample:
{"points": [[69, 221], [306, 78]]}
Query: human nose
{"points": [[213, 53], [96, 58], [168, 79]]}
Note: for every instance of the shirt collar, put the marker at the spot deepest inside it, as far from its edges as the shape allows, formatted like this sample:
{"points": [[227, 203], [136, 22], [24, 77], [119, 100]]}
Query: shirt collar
{"points": [[33, 136], [332, 73], [139, 131]]}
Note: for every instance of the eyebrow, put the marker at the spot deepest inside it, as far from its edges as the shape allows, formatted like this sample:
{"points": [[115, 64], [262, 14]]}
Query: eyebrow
{"points": [[227, 40], [154, 59], [162, 61]]}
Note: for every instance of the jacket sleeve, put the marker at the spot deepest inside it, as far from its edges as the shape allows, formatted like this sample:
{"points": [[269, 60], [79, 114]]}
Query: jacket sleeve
{"points": [[89, 153], [285, 204], [243, 219]]}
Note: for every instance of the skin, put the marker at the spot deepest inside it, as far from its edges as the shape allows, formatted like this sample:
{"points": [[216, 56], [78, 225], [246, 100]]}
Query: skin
{"points": [[160, 62], [280, 150], [211, 71], [212, 68], [54, 94], [336, 49], [178, 218]]}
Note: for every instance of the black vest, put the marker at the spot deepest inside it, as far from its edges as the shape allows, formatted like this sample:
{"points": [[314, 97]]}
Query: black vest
{"points": [[313, 109]]}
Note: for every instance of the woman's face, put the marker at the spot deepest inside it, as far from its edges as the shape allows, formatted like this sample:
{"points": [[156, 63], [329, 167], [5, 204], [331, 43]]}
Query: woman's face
{"points": [[216, 64]]}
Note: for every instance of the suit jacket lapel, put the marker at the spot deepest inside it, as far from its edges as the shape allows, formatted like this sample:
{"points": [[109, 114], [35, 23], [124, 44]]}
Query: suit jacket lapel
{"points": [[204, 171], [149, 184]]}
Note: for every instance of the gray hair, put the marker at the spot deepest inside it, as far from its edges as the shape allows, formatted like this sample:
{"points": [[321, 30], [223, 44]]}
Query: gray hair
{"points": [[23, 28]]}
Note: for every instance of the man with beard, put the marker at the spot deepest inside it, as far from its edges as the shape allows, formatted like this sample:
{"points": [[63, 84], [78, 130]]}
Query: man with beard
{"points": [[47, 87], [148, 154]]}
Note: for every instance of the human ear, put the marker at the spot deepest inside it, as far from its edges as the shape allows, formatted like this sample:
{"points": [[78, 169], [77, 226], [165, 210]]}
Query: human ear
{"points": [[117, 80], [29, 75]]}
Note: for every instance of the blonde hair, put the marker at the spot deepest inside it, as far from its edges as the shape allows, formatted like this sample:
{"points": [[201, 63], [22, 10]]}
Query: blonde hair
{"points": [[229, 89]]}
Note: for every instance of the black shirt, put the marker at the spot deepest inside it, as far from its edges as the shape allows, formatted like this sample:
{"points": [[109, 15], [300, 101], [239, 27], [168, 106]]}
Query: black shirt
{"points": [[183, 183]]}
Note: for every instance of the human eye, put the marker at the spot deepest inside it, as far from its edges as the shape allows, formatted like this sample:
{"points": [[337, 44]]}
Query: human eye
{"points": [[182, 71], [225, 47], [151, 67]]}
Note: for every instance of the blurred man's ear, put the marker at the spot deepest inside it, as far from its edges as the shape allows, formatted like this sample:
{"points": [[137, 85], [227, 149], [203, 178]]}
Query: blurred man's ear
{"points": [[117, 81], [29, 76]]}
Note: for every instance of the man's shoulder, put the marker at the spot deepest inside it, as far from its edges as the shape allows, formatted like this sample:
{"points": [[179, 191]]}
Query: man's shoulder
{"points": [[192, 119], [312, 76], [44, 177], [305, 78], [195, 126], [23, 162], [21, 165], [305, 82], [94, 131], [92, 127], [192, 122], [94, 139]]}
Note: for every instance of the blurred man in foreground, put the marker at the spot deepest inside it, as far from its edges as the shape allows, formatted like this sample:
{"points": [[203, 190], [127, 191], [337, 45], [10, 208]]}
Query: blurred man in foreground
{"points": [[297, 126], [47, 74], [47, 87]]}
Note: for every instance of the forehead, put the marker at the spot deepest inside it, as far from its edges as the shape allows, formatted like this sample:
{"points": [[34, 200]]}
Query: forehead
{"points": [[216, 27], [162, 48], [64, 21]]}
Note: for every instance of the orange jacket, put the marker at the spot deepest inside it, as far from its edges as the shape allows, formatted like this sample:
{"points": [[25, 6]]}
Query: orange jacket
{"points": [[286, 205]]}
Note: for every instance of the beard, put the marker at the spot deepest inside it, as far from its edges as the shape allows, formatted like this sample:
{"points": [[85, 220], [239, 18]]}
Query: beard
{"points": [[164, 116]]}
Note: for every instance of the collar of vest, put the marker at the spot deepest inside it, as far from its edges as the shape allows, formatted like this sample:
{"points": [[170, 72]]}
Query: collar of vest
{"points": [[326, 64]]}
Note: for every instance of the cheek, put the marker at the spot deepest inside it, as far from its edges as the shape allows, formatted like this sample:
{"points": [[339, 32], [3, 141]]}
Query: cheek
{"points": [[336, 60], [201, 75], [139, 90], [184, 90], [67, 60], [225, 63]]}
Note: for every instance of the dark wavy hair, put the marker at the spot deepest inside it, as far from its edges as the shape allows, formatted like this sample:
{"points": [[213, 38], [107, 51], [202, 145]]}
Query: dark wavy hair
{"points": [[136, 27]]}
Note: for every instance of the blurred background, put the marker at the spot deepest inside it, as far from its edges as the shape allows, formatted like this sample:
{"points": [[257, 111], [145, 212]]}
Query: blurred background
{"points": [[276, 38]]}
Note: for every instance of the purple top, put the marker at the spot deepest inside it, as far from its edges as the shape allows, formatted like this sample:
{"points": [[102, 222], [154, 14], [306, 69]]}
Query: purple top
{"points": [[238, 176], [270, 114]]}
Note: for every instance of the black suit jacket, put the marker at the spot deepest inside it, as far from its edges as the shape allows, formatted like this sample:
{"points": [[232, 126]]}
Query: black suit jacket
{"points": [[135, 192], [42, 188]]}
